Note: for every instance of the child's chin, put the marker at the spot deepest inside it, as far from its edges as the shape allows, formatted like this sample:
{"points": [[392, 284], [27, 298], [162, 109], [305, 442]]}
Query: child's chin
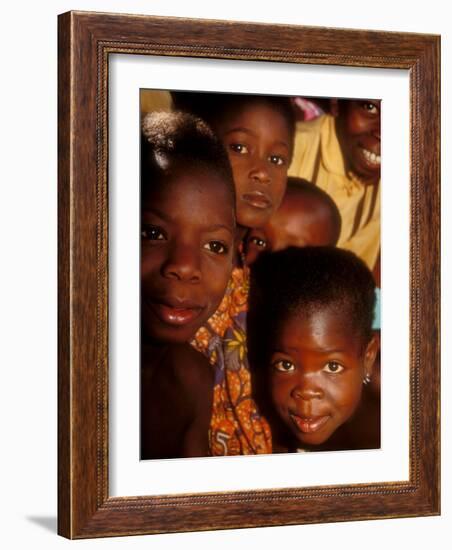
{"points": [[254, 218], [172, 336], [313, 440]]}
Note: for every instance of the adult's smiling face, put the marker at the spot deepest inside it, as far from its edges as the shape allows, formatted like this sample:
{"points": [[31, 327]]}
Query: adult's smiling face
{"points": [[358, 128]]}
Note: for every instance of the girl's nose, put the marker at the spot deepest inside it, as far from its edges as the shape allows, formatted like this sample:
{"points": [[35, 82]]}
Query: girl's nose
{"points": [[183, 263], [307, 389], [259, 171]]}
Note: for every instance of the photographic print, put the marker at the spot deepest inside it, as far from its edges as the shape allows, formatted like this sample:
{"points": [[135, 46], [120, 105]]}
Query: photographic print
{"points": [[260, 223], [226, 200]]}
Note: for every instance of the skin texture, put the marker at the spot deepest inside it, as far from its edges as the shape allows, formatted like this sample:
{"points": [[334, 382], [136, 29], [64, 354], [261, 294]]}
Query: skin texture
{"points": [[358, 127], [176, 402], [301, 220], [186, 253], [259, 145], [187, 241], [317, 367]]}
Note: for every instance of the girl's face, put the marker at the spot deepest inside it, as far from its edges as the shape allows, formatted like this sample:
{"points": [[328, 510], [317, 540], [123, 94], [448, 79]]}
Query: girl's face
{"points": [[317, 368], [259, 145], [359, 135], [187, 237]]}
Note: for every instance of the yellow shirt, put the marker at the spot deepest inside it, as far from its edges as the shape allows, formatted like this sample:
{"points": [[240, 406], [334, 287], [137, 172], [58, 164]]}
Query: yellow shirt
{"points": [[318, 158], [155, 100]]}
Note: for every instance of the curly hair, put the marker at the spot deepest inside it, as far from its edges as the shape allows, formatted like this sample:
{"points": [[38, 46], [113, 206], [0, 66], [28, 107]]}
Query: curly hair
{"points": [[170, 140], [303, 280]]}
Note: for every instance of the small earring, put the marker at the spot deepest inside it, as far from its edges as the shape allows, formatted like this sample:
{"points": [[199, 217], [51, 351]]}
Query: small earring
{"points": [[366, 380]]}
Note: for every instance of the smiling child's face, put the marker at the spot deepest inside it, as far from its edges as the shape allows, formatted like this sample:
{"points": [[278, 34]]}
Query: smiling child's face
{"points": [[258, 141], [187, 237], [359, 135], [300, 221], [317, 368]]}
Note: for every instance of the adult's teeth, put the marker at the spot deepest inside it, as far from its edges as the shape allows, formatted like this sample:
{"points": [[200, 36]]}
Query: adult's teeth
{"points": [[372, 157]]}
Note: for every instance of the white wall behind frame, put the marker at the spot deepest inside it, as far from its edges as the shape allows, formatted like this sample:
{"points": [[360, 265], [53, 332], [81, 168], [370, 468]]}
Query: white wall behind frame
{"points": [[28, 276]]}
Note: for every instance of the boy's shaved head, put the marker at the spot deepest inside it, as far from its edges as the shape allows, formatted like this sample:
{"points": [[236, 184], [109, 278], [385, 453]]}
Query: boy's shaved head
{"points": [[307, 217], [171, 140]]}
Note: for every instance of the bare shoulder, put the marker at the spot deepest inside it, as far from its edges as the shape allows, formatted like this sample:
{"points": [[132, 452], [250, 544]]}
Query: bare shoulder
{"points": [[190, 367]]}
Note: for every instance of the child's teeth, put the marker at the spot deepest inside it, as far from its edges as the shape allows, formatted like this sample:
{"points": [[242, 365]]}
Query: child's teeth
{"points": [[372, 157]]}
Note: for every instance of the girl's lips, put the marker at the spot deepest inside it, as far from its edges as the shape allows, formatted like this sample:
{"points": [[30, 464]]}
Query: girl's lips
{"points": [[309, 425], [176, 315], [257, 199]]}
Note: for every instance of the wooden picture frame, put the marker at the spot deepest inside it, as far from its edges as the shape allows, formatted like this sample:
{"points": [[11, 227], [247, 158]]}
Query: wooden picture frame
{"points": [[86, 40]]}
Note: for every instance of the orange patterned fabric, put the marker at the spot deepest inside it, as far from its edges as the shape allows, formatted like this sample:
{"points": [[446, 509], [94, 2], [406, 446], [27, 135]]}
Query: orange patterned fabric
{"points": [[236, 426]]}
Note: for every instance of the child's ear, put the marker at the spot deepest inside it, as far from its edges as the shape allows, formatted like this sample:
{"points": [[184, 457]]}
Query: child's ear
{"points": [[369, 355]]}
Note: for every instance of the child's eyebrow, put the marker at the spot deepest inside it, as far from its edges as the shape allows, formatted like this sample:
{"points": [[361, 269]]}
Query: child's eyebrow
{"points": [[166, 218], [220, 226], [240, 129], [330, 350], [251, 133], [324, 351], [285, 351], [155, 212]]}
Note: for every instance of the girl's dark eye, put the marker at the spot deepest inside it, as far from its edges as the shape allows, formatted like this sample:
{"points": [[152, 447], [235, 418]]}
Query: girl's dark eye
{"points": [[216, 247], [283, 365], [278, 160], [258, 241], [333, 368], [152, 233], [238, 148]]}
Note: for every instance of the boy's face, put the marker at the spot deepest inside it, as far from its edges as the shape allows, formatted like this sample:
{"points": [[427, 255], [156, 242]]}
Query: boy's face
{"points": [[187, 236], [317, 368], [258, 142], [300, 221], [359, 136]]}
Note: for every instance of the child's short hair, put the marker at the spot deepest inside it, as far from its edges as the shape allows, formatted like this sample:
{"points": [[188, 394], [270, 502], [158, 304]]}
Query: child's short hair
{"points": [[306, 279], [172, 139], [308, 189], [214, 107]]}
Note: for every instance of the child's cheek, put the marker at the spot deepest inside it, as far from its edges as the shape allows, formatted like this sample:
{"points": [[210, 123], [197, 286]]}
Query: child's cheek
{"points": [[151, 258], [345, 392], [357, 124], [281, 387], [216, 280], [239, 167]]}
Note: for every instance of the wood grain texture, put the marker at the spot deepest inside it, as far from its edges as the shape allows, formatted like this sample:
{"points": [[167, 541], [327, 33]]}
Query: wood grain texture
{"points": [[85, 42], [64, 295]]}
